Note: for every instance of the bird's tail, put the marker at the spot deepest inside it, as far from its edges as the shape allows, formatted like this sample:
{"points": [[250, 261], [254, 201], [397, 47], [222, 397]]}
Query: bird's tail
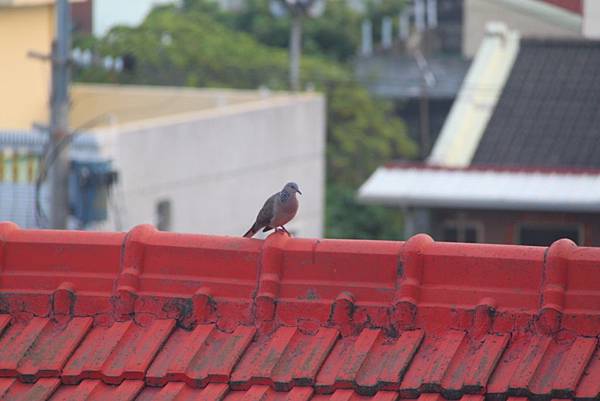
{"points": [[250, 233]]}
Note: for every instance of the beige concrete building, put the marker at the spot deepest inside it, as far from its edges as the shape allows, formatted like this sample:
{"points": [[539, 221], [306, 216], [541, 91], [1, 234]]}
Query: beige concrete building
{"points": [[190, 160], [205, 160]]}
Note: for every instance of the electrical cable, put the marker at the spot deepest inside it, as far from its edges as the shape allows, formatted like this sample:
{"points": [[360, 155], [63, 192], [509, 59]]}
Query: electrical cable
{"points": [[49, 157], [51, 154]]}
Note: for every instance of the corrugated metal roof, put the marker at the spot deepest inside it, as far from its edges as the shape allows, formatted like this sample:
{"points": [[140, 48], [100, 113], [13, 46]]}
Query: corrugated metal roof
{"points": [[485, 188], [150, 315], [20, 154]]}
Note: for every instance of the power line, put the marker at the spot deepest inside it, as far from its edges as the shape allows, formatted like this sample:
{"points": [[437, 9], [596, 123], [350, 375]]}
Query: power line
{"points": [[51, 152]]}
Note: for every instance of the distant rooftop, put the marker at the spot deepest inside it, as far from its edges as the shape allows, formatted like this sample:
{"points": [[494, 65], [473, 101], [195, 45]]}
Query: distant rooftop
{"points": [[547, 114], [526, 102], [477, 98], [524, 134], [112, 105], [489, 187]]}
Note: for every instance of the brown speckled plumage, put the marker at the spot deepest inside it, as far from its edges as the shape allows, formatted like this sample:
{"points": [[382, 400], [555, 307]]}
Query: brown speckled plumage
{"points": [[277, 211]]}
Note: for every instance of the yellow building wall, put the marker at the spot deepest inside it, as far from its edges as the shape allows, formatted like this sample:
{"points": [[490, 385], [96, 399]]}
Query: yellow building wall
{"points": [[24, 82]]}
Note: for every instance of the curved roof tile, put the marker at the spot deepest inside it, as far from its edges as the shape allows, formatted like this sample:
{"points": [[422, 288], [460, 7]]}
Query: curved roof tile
{"points": [[149, 315]]}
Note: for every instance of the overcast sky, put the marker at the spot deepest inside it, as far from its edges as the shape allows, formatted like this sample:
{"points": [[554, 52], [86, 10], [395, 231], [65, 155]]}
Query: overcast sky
{"points": [[108, 13]]}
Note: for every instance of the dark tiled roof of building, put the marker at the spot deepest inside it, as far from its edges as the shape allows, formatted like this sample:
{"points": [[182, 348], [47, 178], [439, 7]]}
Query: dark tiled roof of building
{"points": [[161, 316], [549, 112]]}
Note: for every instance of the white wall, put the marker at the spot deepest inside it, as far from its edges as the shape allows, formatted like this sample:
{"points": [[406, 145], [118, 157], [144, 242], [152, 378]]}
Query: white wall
{"points": [[591, 19], [218, 167]]}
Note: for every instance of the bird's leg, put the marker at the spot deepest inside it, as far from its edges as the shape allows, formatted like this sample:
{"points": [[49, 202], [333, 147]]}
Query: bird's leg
{"points": [[286, 231]]}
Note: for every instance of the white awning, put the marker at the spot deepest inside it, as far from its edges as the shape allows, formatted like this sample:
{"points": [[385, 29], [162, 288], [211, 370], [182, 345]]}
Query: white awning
{"points": [[470, 188]]}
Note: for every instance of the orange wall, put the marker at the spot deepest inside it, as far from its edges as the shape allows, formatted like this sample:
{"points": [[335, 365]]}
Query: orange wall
{"points": [[24, 82]]}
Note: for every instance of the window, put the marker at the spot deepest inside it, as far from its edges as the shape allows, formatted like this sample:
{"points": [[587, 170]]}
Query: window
{"points": [[545, 234], [163, 215], [461, 230], [454, 234]]}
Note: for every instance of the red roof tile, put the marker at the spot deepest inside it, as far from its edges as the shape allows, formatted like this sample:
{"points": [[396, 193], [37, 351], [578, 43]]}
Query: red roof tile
{"points": [[148, 315]]}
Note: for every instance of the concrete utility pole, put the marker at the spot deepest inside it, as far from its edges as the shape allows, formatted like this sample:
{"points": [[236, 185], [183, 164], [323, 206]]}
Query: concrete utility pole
{"points": [[298, 9], [367, 38], [295, 48], [59, 116]]}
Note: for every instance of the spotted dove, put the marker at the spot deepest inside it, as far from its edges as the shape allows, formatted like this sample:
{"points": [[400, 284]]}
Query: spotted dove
{"points": [[278, 210]]}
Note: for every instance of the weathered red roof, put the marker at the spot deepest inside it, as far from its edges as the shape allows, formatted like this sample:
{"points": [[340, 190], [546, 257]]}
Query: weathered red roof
{"points": [[151, 315]]}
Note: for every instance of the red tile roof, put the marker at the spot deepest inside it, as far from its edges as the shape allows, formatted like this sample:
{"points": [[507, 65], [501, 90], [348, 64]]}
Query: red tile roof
{"points": [[148, 315]]}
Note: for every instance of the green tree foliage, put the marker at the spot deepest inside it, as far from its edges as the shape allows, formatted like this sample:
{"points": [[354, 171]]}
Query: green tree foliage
{"points": [[378, 9], [198, 45], [363, 134], [335, 35], [177, 47], [345, 218]]}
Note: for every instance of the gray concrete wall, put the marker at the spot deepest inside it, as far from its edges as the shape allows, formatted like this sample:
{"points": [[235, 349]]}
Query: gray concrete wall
{"points": [[530, 19], [591, 19], [217, 167]]}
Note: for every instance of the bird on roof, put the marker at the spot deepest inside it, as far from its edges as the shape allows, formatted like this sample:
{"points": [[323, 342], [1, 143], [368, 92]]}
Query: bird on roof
{"points": [[278, 210]]}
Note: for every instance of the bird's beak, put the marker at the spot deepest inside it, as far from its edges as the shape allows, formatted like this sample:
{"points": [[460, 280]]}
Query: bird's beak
{"points": [[299, 192]]}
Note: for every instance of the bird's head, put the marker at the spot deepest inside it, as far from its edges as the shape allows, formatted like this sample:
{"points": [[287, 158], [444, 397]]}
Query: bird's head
{"points": [[292, 187]]}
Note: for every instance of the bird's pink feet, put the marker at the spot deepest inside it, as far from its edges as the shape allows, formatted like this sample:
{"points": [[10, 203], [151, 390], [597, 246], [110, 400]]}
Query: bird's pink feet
{"points": [[283, 229]]}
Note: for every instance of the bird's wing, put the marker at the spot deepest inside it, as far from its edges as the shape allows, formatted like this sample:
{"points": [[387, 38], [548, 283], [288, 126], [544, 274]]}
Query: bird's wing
{"points": [[266, 213]]}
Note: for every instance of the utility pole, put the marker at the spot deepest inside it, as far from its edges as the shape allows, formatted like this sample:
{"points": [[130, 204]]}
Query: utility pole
{"points": [[298, 9], [295, 47], [59, 116]]}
